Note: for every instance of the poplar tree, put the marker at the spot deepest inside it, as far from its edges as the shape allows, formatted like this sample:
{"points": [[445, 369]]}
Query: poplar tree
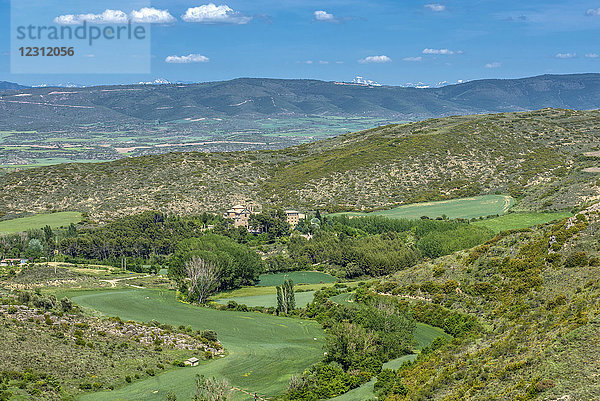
{"points": [[280, 303]]}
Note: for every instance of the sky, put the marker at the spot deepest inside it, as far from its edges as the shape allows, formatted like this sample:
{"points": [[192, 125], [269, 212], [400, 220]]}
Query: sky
{"points": [[391, 42]]}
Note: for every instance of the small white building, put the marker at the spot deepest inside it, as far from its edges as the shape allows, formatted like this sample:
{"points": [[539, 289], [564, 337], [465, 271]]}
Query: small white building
{"points": [[193, 361]]}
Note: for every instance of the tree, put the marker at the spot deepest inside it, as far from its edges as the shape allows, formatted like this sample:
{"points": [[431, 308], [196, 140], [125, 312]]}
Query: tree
{"points": [[273, 222], [286, 300], [212, 389], [290, 297], [280, 305], [204, 278], [238, 264], [71, 231], [48, 234]]}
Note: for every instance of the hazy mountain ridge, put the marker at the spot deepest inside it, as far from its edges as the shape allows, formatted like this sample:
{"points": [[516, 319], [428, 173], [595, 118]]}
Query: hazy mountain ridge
{"points": [[269, 97], [9, 86]]}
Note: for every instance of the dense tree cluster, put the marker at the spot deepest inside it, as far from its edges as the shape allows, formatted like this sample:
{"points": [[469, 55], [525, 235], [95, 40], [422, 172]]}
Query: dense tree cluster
{"points": [[362, 337], [139, 236], [235, 263], [375, 246]]}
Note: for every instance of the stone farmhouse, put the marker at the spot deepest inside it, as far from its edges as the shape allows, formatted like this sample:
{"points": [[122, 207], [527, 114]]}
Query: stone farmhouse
{"points": [[241, 216]]}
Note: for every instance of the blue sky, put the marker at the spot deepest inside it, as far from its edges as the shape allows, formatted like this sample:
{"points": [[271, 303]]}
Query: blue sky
{"points": [[391, 42]]}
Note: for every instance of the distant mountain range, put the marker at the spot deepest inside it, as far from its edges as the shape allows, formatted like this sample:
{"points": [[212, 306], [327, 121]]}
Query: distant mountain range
{"points": [[131, 104]]}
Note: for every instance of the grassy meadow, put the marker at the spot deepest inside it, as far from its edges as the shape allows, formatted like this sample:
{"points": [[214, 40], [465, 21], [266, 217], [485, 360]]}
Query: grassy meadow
{"points": [[54, 220], [513, 221], [465, 208], [268, 300], [255, 344], [299, 277]]}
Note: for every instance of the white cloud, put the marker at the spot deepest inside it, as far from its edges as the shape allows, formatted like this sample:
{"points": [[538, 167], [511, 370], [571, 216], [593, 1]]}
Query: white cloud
{"points": [[324, 16], [436, 7], [323, 62], [494, 64], [592, 55], [213, 14], [419, 58], [339, 62], [594, 12], [68, 19], [440, 51], [375, 59], [566, 55], [107, 17], [150, 15], [190, 58]]}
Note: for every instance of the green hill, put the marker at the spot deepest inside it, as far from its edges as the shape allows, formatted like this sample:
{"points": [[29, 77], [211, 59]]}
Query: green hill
{"points": [[536, 157], [536, 293]]}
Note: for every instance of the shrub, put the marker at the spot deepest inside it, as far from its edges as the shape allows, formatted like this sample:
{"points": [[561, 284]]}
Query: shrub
{"points": [[210, 335], [576, 259]]}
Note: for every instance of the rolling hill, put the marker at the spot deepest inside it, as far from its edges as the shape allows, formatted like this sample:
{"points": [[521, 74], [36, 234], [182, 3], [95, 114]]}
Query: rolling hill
{"points": [[538, 157]]}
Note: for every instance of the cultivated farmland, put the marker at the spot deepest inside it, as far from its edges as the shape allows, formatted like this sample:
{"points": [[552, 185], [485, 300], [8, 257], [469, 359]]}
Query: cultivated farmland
{"points": [[54, 220], [465, 208]]}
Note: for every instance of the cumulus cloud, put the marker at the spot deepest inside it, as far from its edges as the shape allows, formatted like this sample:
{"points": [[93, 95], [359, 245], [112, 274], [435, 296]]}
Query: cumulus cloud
{"points": [[566, 55], [150, 15], [213, 14], [446, 52], [592, 55], [106, 17], [593, 12], [418, 58], [435, 7], [190, 58], [375, 59], [494, 64], [321, 15]]}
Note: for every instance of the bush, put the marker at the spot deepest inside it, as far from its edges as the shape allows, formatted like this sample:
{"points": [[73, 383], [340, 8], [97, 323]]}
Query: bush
{"points": [[576, 259], [210, 335]]}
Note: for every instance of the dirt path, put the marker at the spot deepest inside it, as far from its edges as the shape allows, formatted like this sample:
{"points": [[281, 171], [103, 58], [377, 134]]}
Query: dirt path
{"points": [[113, 282], [257, 397]]}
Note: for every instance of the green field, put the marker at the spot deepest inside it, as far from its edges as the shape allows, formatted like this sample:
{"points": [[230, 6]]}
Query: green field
{"points": [[268, 280], [269, 300], [53, 220], [255, 344], [513, 221], [464, 208]]}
